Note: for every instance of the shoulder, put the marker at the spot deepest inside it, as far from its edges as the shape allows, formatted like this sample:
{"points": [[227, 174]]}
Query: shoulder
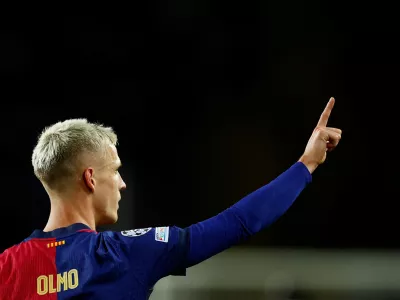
{"points": [[129, 234], [135, 232], [159, 234], [158, 237]]}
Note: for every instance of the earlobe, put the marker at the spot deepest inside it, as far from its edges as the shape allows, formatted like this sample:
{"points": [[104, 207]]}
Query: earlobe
{"points": [[89, 179]]}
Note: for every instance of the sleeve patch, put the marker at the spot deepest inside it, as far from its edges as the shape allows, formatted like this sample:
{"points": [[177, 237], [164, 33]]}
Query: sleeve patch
{"points": [[162, 234], [135, 232]]}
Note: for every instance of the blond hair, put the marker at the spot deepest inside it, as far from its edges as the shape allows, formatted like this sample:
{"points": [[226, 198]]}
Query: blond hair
{"points": [[59, 147]]}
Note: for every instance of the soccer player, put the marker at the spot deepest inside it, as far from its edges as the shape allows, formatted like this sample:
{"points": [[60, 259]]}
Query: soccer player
{"points": [[77, 162]]}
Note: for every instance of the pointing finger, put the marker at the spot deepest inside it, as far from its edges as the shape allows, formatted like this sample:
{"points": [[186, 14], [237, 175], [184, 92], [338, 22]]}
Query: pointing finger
{"points": [[323, 120]]}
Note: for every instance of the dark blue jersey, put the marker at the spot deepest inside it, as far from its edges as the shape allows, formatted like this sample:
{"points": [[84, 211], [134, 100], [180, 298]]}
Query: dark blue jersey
{"points": [[76, 262]]}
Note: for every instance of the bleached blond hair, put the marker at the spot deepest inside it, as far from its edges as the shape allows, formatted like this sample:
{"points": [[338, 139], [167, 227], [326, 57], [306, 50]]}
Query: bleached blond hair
{"points": [[60, 146]]}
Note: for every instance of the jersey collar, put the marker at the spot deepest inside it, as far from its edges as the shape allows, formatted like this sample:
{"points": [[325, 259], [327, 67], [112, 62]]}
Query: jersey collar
{"points": [[63, 231]]}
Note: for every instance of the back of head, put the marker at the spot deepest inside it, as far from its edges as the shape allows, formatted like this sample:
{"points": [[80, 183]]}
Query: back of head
{"points": [[57, 155]]}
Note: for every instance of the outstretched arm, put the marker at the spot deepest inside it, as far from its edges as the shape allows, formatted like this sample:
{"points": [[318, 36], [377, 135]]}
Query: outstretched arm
{"points": [[247, 217]]}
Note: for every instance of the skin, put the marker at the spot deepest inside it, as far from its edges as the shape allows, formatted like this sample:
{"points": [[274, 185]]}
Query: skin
{"points": [[92, 199], [323, 139]]}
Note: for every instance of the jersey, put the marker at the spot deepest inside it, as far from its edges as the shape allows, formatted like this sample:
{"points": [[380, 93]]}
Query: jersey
{"points": [[76, 262]]}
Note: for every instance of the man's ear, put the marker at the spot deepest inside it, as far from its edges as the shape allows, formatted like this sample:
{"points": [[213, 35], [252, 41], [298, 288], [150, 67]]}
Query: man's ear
{"points": [[88, 179]]}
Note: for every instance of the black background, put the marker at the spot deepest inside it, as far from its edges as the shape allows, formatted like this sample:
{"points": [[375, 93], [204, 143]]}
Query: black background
{"points": [[211, 101]]}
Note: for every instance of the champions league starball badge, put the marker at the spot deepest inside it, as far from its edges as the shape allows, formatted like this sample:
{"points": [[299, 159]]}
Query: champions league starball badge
{"points": [[135, 232]]}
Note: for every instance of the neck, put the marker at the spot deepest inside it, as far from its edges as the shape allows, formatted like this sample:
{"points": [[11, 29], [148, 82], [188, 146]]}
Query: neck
{"points": [[65, 212]]}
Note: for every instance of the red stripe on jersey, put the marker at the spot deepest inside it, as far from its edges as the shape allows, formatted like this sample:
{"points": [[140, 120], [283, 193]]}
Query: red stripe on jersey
{"points": [[86, 230], [28, 271]]}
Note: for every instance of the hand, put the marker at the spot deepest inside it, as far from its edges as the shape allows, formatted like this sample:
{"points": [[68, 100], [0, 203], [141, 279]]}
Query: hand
{"points": [[323, 139]]}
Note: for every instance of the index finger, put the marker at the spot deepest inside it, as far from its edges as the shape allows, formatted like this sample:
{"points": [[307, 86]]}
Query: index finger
{"points": [[323, 120]]}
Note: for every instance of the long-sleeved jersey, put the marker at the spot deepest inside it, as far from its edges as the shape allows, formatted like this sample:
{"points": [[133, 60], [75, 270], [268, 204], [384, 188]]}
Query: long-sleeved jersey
{"points": [[76, 262]]}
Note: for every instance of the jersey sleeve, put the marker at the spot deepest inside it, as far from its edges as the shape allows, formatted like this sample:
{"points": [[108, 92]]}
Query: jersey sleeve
{"points": [[163, 251], [154, 252]]}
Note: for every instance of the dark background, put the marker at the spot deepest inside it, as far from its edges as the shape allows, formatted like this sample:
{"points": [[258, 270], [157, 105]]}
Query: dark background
{"points": [[211, 100]]}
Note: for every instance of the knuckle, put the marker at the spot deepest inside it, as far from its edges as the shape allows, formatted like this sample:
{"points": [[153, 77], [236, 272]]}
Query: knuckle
{"points": [[320, 130]]}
